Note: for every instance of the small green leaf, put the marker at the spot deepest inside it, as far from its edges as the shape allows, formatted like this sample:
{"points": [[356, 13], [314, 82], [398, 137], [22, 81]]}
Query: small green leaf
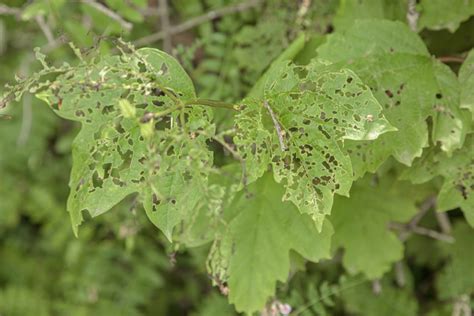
{"points": [[458, 173], [441, 14], [128, 110]]}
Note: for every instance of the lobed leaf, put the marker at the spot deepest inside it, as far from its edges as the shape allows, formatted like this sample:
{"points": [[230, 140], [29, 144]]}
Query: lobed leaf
{"points": [[440, 14], [410, 85], [361, 224], [136, 136], [299, 129], [458, 173], [261, 232]]}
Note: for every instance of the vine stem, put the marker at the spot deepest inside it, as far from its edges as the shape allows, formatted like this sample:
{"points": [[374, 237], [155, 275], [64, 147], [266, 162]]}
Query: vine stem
{"points": [[211, 103]]}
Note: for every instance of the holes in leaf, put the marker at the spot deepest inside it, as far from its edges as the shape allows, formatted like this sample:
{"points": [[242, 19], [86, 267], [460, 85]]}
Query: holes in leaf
{"points": [[107, 109], [80, 113]]}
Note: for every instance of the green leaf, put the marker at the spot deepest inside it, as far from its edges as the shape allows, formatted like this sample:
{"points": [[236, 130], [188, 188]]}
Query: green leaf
{"points": [[299, 128], [351, 10], [262, 231], [457, 277], [361, 224], [441, 14], [458, 173], [466, 79], [409, 84], [130, 141]]}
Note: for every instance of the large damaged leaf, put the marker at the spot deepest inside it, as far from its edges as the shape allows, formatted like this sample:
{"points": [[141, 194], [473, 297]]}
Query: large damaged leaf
{"points": [[411, 86], [299, 128], [137, 136]]}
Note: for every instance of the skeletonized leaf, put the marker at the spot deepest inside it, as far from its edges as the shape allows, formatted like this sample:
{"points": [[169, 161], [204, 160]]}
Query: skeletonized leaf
{"points": [[299, 128], [132, 138]]}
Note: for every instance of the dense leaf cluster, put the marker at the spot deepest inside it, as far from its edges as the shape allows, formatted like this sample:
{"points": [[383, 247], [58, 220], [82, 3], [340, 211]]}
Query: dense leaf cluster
{"points": [[347, 146]]}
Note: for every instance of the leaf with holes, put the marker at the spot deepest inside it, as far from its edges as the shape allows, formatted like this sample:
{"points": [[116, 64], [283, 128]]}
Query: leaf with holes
{"points": [[410, 85], [299, 129], [458, 173], [136, 136]]}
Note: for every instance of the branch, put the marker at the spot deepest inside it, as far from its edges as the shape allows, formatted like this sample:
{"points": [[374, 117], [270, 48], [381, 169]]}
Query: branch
{"points": [[451, 59], [432, 234], [6, 10], [412, 226], [211, 103], [376, 287], [412, 15], [276, 124], [111, 14], [422, 231], [193, 22], [45, 29], [165, 25], [400, 274], [443, 222]]}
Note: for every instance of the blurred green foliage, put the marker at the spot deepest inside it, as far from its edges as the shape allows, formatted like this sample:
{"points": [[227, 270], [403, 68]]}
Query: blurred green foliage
{"points": [[121, 264]]}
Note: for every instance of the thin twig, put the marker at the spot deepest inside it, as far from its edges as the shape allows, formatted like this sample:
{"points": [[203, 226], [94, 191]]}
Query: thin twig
{"points": [[6, 10], [432, 234], [400, 274], [45, 29], [443, 222], [462, 306], [27, 115], [234, 154], [27, 120], [276, 124], [422, 231], [111, 14], [451, 59], [412, 15], [428, 204], [376, 287], [165, 25], [191, 23]]}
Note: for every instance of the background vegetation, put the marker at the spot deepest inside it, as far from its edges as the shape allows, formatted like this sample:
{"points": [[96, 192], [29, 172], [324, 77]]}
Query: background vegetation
{"points": [[123, 265]]}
